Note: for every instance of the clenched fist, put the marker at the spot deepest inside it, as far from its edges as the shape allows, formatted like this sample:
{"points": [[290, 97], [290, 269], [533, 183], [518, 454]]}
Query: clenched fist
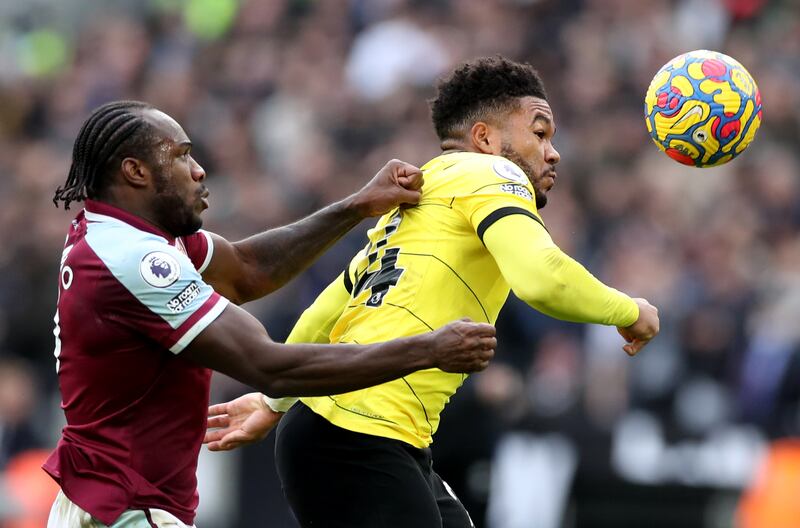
{"points": [[463, 346], [397, 183], [643, 330]]}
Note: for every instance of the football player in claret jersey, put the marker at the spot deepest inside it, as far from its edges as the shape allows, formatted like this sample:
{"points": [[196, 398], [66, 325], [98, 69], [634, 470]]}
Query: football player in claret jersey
{"points": [[144, 312], [362, 458]]}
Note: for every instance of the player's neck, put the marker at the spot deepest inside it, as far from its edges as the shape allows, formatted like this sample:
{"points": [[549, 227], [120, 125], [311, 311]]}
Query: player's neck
{"points": [[450, 146], [133, 204]]}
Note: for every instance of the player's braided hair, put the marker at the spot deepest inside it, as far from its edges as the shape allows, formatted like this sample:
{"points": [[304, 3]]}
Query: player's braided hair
{"points": [[112, 132], [479, 90]]}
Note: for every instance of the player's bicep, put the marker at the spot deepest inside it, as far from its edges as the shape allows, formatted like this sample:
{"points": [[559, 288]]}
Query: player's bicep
{"points": [[226, 271], [518, 242]]}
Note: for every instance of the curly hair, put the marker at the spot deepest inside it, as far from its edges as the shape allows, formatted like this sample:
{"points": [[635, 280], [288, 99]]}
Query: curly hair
{"points": [[112, 132], [479, 90]]}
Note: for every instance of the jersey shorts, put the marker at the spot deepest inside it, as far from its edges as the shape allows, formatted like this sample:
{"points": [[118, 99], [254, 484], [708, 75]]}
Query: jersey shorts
{"points": [[336, 478]]}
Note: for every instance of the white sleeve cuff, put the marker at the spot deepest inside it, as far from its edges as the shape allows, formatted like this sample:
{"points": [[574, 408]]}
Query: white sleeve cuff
{"points": [[280, 404]]}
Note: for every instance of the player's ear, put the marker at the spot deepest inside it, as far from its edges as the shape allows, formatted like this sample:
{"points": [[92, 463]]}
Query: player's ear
{"points": [[485, 138], [135, 172]]}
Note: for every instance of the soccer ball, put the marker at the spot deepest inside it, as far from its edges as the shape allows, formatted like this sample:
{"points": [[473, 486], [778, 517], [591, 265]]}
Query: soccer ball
{"points": [[702, 108]]}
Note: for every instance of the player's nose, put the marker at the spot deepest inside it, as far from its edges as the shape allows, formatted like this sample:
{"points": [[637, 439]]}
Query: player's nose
{"points": [[551, 155], [198, 173]]}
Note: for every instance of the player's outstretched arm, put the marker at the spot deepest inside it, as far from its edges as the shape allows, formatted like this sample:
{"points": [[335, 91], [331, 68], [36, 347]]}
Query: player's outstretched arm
{"points": [[236, 344], [253, 267], [549, 280]]}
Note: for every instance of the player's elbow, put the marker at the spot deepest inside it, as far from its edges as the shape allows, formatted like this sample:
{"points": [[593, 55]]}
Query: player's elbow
{"points": [[545, 293], [546, 282], [275, 388]]}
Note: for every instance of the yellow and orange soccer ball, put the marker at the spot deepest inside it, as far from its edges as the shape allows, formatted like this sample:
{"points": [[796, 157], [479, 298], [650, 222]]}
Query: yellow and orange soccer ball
{"points": [[702, 108]]}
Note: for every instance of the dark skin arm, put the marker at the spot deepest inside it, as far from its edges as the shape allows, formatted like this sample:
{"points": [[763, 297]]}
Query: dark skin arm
{"points": [[236, 344], [251, 268]]}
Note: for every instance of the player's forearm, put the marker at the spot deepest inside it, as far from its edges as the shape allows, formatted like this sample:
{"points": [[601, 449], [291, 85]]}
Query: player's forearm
{"points": [[274, 257], [237, 345], [564, 289], [317, 370]]}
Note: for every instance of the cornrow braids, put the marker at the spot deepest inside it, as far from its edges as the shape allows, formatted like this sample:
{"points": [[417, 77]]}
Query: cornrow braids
{"points": [[479, 90], [113, 130]]}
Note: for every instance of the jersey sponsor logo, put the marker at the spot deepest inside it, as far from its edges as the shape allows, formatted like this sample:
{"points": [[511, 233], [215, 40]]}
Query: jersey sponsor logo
{"points": [[181, 301], [159, 269], [519, 190], [509, 171]]}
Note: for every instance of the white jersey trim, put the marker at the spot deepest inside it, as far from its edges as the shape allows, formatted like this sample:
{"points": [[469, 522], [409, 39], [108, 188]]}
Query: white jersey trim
{"points": [[209, 252], [95, 217], [199, 326]]}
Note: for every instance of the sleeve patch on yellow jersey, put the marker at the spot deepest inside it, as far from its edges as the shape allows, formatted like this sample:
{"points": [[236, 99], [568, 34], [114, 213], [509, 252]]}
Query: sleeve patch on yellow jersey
{"points": [[509, 171], [519, 190]]}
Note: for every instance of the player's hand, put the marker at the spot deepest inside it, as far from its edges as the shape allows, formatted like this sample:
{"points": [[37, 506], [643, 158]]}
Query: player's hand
{"points": [[397, 183], [239, 422], [463, 346], [643, 330]]}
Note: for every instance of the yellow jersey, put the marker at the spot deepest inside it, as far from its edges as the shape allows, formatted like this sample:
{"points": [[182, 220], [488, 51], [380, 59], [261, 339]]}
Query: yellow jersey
{"points": [[423, 267]]}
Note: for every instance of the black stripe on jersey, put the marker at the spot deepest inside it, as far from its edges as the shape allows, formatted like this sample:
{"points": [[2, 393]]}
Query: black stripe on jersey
{"points": [[348, 283], [454, 273], [497, 214], [415, 316], [424, 410], [449, 205]]}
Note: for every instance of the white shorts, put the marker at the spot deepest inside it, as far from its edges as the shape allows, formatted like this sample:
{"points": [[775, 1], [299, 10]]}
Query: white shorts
{"points": [[66, 514]]}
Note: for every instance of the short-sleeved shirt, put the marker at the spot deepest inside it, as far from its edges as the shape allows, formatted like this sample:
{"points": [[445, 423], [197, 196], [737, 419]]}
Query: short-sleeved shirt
{"points": [[131, 298], [422, 268]]}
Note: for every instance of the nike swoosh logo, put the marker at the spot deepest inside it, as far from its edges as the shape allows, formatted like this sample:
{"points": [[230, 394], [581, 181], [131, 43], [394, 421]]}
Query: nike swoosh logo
{"points": [[694, 111]]}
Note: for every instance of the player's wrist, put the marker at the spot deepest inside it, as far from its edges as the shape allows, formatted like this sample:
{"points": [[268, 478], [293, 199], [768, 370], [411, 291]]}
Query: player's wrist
{"points": [[421, 350], [631, 315], [278, 405], [355, 207]]}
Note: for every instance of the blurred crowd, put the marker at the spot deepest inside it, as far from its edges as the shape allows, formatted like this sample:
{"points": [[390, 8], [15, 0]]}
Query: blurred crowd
{"points": [[292, 104]]}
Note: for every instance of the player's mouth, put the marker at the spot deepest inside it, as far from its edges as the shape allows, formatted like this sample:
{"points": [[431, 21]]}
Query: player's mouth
{"points": [[551, 175], [204, 199]]}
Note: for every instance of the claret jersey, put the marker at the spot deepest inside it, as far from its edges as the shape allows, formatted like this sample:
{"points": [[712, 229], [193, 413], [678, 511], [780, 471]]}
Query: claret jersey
{"points": [[131, 298]]}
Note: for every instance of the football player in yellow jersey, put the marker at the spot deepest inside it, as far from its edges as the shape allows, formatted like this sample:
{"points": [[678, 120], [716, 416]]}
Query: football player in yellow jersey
{"points": [[362, 459]]}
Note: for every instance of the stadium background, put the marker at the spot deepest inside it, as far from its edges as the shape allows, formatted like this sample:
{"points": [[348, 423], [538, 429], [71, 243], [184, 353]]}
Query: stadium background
{"points": [[292, 104]]}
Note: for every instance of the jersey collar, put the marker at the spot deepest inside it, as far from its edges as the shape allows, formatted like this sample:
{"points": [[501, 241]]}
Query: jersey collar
{"points": [[101, 211]]}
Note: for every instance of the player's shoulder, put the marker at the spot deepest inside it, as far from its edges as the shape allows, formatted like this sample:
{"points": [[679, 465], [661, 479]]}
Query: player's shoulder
{"points": [[124, 249], [472, 172]]}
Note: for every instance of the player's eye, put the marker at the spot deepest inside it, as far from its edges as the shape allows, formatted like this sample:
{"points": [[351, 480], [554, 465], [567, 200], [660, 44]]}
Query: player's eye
{"points": [[540, 134]]}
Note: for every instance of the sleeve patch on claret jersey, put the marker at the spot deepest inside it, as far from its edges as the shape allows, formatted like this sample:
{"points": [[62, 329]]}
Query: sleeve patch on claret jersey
{"points": [[186, 297], [519, 190], [159, 269], [509, 171]]}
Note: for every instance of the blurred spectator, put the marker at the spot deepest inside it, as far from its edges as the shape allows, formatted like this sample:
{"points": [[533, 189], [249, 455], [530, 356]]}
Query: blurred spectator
{"points": [[18, 394]]}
